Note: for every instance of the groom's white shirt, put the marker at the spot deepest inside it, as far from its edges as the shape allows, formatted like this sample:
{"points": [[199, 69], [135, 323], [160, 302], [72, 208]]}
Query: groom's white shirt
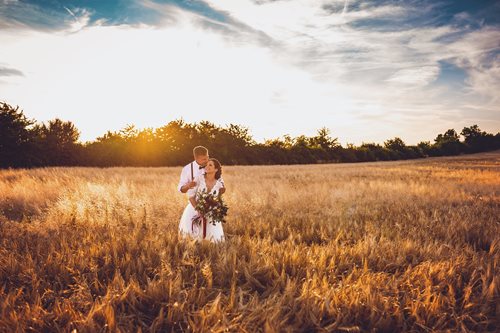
{"points": [[186, 174]]}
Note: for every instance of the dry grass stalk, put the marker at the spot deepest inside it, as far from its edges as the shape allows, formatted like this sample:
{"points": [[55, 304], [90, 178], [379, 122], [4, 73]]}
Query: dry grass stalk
{"points": [[397, 246]]}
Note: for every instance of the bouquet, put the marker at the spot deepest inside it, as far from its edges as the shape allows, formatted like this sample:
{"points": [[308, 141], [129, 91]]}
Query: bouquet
{"points": [[211, 208]]}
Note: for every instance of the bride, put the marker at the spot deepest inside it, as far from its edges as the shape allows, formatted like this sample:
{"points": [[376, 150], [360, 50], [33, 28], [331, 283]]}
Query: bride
{"points": [[210, 182]]}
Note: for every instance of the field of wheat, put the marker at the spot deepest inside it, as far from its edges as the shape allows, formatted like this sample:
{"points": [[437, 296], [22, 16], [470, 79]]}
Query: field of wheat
{"points": [[392, 246]]}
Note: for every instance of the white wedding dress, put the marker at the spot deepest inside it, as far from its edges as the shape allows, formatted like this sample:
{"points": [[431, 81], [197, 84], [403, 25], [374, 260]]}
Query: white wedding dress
{"points": [[215, 232]]}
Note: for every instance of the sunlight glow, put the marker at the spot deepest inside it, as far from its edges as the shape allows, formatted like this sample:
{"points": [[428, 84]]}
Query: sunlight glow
{"points": [[277, 67]]}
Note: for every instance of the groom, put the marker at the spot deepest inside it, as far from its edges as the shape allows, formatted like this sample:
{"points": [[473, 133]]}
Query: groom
{"points": [[194, 169]]}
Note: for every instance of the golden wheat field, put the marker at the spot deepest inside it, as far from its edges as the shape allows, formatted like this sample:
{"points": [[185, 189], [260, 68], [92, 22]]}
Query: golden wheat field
{"points": [[372, 247]]}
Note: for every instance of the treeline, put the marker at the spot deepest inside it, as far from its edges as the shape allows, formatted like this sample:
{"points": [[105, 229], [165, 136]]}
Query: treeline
{"points": [[26, 143]]}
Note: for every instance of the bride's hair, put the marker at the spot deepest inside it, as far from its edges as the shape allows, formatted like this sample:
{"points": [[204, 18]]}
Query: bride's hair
{"points": [[218, 167]]}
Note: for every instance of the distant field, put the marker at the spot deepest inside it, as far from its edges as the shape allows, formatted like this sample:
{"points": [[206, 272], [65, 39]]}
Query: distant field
{"points": [[388, 246]]}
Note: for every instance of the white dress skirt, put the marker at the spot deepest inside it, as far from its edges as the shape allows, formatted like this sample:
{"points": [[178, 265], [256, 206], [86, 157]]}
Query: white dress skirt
{"points": [[187, 228]]}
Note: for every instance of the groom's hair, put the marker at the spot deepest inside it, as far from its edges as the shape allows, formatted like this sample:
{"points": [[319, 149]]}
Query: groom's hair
{"points": [[200, 151]]}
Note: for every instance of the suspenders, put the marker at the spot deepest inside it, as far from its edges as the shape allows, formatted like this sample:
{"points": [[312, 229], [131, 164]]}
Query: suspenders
{"points": [[192, 174]]}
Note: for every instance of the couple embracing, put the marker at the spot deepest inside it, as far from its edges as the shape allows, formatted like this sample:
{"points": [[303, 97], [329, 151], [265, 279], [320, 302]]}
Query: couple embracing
{"points": [[202, 181]]}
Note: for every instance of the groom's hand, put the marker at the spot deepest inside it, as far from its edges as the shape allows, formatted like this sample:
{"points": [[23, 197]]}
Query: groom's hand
{"points": [[188, 186], [222, 190]]}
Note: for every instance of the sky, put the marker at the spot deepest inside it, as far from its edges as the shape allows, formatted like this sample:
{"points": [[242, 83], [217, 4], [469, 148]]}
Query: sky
{"points": [[367, 70]]}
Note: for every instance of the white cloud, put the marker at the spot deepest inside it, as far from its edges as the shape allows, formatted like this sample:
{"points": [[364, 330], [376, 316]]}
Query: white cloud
{"points": [[105, 77], [277, 67], [386, 74], [417, 76]]}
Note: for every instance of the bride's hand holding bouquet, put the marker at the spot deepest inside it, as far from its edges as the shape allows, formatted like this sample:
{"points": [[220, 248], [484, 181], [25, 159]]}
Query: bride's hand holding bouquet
{"points": [[210, 207]]}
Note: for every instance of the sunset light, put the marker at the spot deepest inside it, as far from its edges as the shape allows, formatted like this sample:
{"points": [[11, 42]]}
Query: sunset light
{"points": [[367, 72]]}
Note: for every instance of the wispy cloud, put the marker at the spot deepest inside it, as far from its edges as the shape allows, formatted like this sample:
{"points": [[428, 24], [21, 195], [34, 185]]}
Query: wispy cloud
{"points": [[4, 71], [345, 46], [21, 15], [365, 69]]}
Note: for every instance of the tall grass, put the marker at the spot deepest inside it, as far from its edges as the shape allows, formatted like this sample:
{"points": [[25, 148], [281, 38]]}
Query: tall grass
{"points": [[396, 246]]}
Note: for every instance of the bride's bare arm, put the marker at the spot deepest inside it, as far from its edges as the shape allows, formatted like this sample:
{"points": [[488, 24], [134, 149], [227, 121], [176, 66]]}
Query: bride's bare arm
{"points": [[192, 200], [222, 189]]}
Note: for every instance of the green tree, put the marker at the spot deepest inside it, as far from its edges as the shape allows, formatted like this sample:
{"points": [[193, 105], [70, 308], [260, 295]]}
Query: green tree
{"points": [[58, 140], [16, 138], [477, 140], [395, 144], [449, 136], [375, 152], [324, 140], [449, 143]]}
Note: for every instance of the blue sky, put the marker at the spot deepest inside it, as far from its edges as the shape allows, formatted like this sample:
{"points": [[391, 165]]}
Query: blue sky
{"points": [[367, 70]]}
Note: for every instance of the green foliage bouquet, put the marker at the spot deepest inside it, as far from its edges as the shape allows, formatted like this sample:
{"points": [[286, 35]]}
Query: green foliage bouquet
{"points": [[210, 207]]}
